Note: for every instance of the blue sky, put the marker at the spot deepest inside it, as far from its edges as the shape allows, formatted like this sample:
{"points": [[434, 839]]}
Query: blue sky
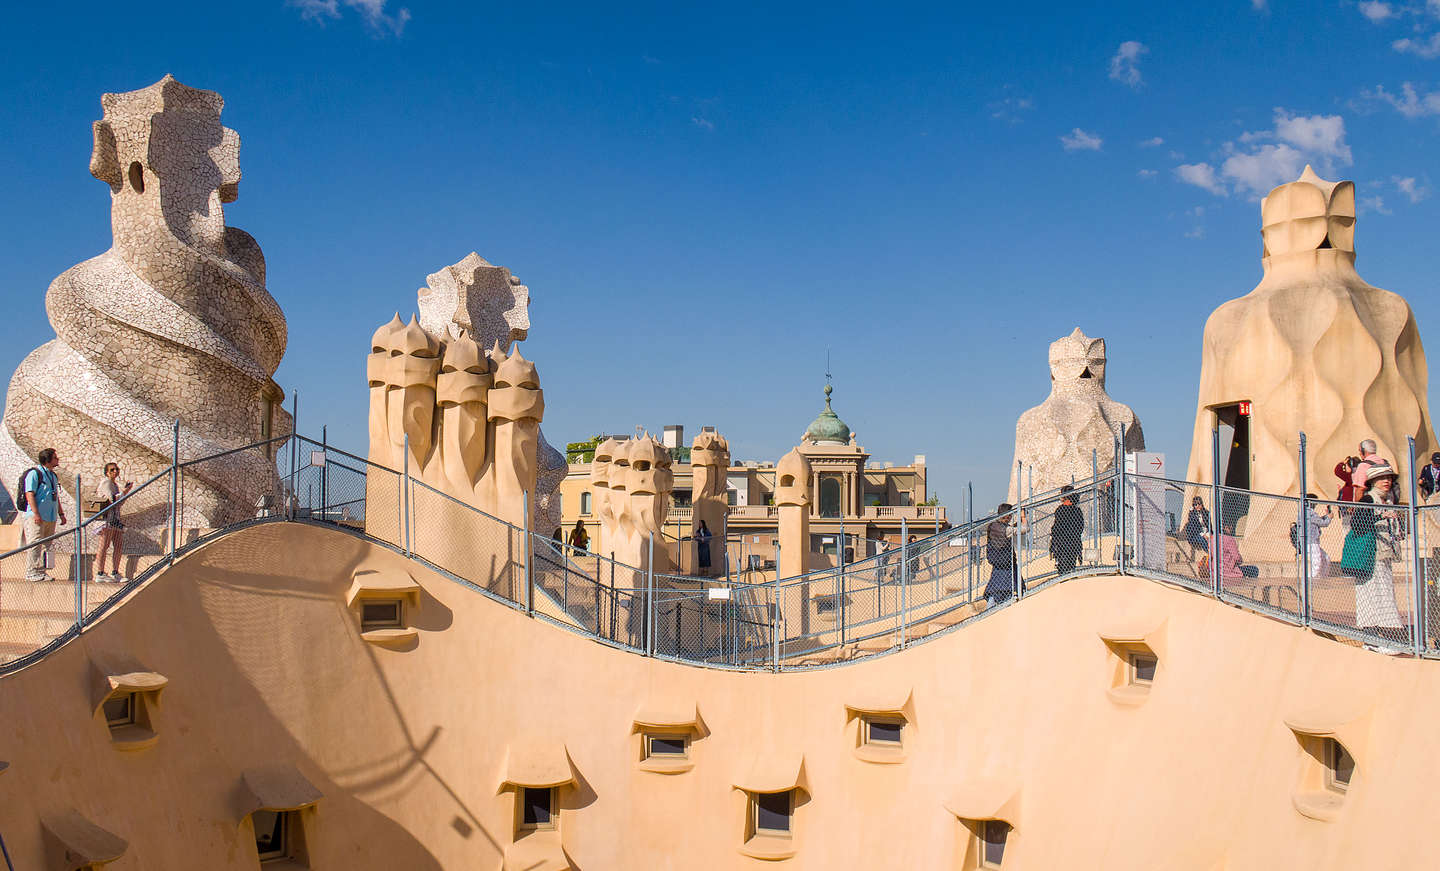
{"points": [[704, 200]]}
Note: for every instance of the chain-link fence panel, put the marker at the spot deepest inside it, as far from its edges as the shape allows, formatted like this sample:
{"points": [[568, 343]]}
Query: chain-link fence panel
{"points": [[1257, 553], [1367, 591], [1427, 546], [813, 613], [1190, 529], [689, 624], [40, 600], [461, 540], [230, 489], [619, 600], [1061, 534], [56, 577], [333, 489]]}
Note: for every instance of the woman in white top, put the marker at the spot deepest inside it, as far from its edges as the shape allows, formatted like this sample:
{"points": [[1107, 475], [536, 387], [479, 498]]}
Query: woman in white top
{"points": [[108, 493], [1315, 522]]}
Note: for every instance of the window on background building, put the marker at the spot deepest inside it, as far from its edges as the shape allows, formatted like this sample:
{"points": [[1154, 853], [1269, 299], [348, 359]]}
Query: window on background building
{"points": [[585, 503], [829, 496], [770, 812], [731, 498]]}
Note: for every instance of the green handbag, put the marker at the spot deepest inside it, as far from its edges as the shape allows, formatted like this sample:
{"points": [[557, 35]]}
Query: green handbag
{"points": [[1358, 558]]}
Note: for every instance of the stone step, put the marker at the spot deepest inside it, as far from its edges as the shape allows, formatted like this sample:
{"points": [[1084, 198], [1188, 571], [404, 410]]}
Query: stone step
{"points": [[62, 566], [17, 596]]}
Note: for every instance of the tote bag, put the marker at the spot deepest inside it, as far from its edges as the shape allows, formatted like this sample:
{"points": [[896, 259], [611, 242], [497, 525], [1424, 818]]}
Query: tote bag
{"points": [[1358, 558]]}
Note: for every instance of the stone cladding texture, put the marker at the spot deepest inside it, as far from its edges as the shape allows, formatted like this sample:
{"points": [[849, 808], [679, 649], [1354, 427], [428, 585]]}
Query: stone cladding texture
{"points": [[173, 322]]}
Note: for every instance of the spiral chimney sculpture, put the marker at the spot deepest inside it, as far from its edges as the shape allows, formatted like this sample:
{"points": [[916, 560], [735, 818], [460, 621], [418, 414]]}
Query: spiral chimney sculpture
{"points": [[173, 322]]}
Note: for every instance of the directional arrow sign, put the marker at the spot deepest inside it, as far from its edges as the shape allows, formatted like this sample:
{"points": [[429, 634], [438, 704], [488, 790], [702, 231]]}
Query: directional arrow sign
{"points": [[1146, 463]]}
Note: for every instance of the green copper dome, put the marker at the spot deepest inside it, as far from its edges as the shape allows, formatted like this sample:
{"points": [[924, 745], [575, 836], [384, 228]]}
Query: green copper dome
{"points": [[828, 428]]}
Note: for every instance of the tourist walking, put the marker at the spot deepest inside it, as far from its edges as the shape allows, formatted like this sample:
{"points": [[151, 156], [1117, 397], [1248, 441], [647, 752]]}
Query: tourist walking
{"points": [[702, 547], [40, 491], [107, 495], [1000, 553], [1429, 479], [1371, 547], [579, 538], [1067, 532], [1315, 523]]}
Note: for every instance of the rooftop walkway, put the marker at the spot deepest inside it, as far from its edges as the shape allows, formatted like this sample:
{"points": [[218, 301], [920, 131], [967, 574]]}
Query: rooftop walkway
{"points": [[754, 621]]}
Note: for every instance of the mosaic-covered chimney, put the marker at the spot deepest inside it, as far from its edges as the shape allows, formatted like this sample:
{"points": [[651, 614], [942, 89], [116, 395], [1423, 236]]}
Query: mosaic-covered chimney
{"points": [[173, 321]]}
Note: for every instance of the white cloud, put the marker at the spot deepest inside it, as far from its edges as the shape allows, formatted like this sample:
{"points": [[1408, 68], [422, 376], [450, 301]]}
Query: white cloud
{"points": [[1202, 175], [1426, 48], [1125, 65], [372, 11], [1259, 160], [702, 123], [1316, 135], [1152, 142], [1079, 140], [1408, 102], [1377, 10], [1264, 168], [1410, 188], [1373, 204], [1147, 173]]}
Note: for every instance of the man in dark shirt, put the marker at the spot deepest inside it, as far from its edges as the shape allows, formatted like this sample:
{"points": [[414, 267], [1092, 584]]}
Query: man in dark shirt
{"points": [[1067, 532], [1430, 476]]}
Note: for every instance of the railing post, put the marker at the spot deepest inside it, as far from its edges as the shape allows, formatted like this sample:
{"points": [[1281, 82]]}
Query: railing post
{"points": [[174, 486], [1302, 533], [840, 608], [1215, 497], [1415, 581], [650, 598], [527, 553], [904, 582], [405, 492], [1119, 487], [79, 568], [1015, 583], [324, 473], [1095, 502], [775, 615], [970, 540]]}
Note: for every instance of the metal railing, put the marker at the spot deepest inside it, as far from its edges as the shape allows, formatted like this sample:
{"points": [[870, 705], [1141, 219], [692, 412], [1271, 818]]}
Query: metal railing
{"points": [[1357, 572]]}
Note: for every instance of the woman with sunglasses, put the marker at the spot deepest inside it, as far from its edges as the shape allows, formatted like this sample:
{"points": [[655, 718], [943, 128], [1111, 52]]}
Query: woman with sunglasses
{"points": [[109, 493]]}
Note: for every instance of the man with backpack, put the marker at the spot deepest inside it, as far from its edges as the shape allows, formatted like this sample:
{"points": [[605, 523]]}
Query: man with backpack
{"points": [[40, 500]]}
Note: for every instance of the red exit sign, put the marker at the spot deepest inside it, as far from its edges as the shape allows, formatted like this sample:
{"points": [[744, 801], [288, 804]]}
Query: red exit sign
{"points": [[1245, 408]]}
